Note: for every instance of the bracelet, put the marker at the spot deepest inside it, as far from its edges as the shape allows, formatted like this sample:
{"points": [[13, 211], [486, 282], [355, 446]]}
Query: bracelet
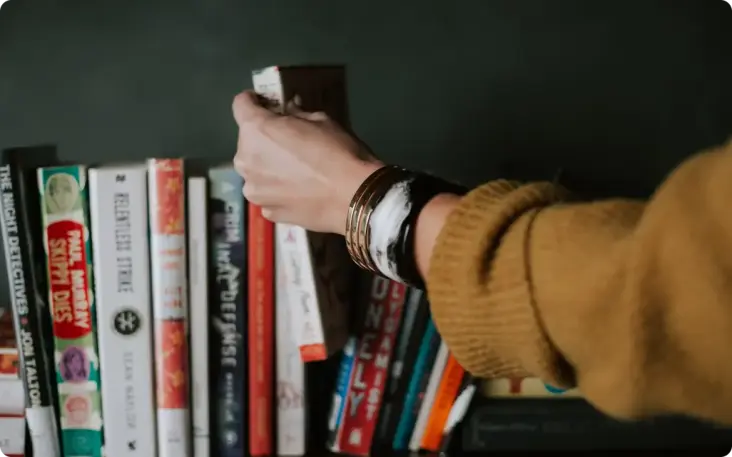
{"points": [[380, 233]]}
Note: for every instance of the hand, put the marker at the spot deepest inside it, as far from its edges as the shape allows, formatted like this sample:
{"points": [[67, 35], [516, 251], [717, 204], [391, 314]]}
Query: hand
{"points": [[301, 168]]}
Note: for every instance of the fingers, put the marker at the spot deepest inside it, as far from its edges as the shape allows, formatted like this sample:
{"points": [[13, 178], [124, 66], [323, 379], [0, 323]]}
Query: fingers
{"points": [[294, 108], [269, 211], [248, 108]]}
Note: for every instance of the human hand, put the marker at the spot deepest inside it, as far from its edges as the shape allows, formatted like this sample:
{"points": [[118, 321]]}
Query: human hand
{"points": [[301, 168]]}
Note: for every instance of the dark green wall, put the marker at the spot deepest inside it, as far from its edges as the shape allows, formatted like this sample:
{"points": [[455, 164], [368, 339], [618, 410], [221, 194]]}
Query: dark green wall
{"points": [[616, 91]]}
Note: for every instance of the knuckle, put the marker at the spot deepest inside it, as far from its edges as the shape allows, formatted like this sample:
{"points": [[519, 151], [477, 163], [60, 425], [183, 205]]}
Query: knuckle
{"points": [[249, 192], [269, 214], [319, 116]]}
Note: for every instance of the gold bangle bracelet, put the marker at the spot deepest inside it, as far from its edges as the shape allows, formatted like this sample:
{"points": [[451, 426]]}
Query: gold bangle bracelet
{"points": [[374, 194], [352, 214], [357, 229]]}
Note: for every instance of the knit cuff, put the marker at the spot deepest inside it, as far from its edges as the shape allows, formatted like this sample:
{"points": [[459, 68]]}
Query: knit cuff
{"points": [[479, 284]]}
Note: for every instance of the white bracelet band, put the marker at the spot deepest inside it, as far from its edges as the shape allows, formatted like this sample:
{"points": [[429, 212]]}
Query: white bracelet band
{"points": [[385, 224]]}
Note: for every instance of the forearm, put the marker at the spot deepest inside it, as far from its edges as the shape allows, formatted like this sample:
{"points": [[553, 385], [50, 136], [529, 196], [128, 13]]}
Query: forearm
{"points": [[626, 299], [429, 223]]}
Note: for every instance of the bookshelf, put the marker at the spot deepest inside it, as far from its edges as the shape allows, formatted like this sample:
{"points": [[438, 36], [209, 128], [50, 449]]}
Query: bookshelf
{"points": [[614, 94]]}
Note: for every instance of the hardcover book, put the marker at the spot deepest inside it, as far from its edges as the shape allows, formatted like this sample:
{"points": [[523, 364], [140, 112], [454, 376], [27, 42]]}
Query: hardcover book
{"points": [[324, 284], [64, 206]]}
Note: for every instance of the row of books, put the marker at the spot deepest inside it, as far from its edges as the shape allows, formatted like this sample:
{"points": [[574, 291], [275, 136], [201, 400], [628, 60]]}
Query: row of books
{"points": [[136, 274]]}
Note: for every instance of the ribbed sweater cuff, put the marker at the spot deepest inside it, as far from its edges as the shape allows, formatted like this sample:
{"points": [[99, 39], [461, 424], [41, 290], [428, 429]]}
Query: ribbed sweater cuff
{"points": [[479, 283]]}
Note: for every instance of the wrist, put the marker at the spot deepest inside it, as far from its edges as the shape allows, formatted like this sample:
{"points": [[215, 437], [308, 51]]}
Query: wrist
{"points": [[348, 185], [381, 227]]}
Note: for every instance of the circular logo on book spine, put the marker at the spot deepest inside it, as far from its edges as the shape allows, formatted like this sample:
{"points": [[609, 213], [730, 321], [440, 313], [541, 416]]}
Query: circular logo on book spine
{"points": [[77, 410], [74, 365], [127, 322]]}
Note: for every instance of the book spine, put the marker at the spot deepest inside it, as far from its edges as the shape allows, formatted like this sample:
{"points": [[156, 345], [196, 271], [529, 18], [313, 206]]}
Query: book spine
{"points": [[458, 411], [12, 395], [363, 402], [28, 306], [343, 381], [166, 186], [261, 338], [417, 384], [12, 436], [290, 370], [228, 311], [308, 328], [525, 388], [444, 398], [198, 291], [428, 400], [64, 207], [119, 220], [416, 315]]}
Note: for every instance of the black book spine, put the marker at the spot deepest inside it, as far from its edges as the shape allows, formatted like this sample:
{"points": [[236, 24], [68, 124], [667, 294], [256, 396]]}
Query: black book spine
{"points": [[21, 229], [229, 313], [410, 337]]}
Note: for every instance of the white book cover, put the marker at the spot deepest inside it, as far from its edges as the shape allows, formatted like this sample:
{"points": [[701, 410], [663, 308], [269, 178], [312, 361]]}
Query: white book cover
{"points": [[291, 418], [12, 436], [12, 396], [198, 290], [169, 272], [119, 222], [429, 397], [294, 252]]}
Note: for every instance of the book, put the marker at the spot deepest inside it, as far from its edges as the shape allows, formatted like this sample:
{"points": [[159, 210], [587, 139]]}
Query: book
{"points": [[119, 222], [372, 360], [25, 266], [327, 274], [198, 277], [228, 288], [166, 193], [291, 397], [260, 317], [64, 207]]}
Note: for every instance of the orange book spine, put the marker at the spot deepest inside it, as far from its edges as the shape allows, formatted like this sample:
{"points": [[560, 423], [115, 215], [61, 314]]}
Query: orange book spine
{"points": [[446, 394], [261, 332]]}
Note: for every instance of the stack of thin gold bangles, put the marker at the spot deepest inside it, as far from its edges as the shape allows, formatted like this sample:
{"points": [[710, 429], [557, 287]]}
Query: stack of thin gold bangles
{"points": [[363, 204]]}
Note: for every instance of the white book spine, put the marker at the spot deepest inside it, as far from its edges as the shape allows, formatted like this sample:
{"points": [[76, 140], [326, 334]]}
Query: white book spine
{"points": [[166, 184], [291, 419], [425, 409], [307, 327], [12, 436], [198, 286], [12, 396], [119, 221]]}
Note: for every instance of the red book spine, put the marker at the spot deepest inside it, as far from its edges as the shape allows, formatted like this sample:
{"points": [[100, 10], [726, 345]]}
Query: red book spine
{"points": [[261, 332], [170, 304], [370, 371]]}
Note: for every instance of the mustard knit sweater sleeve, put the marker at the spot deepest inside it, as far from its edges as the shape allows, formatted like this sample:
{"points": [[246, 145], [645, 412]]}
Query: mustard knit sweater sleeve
{"points": [[630, 301]]}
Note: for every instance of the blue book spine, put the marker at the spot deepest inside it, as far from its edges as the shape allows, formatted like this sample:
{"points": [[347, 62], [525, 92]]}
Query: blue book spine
{"points": [[342, 383], [422, 367]]}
